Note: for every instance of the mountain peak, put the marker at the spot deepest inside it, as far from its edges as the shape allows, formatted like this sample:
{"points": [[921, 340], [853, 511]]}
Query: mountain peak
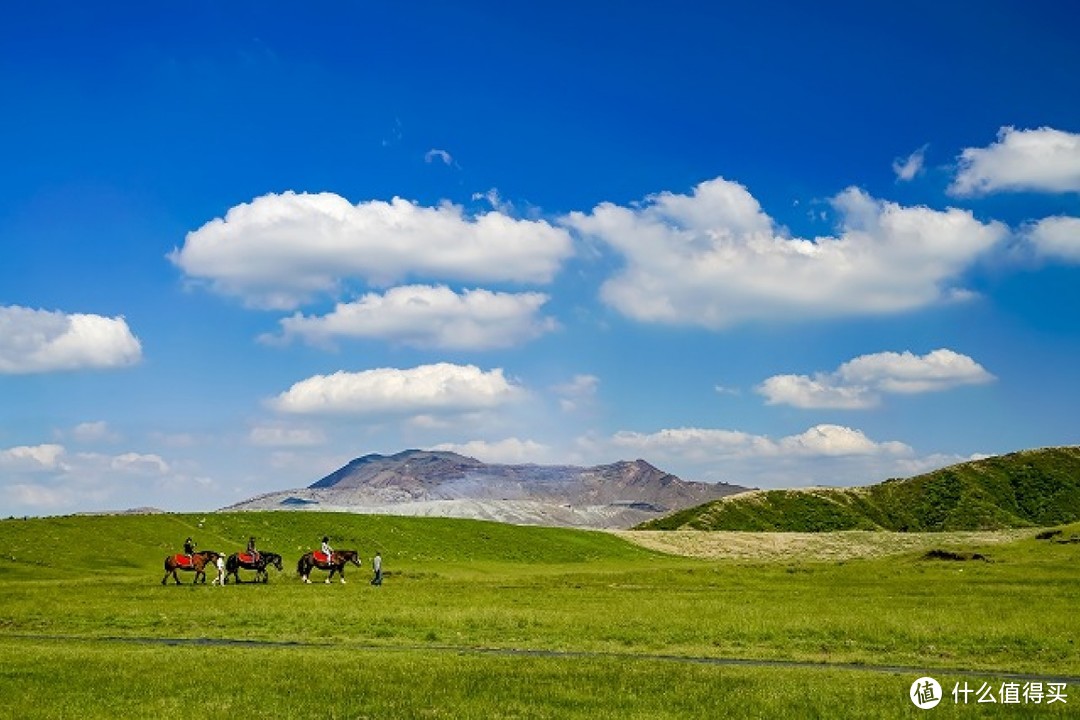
{"points": [[439, 482]]}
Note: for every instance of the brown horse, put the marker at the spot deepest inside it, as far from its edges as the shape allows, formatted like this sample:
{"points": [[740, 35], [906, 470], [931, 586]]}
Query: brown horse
{"points": [[244, 560], [197, 564], [335, 563]]}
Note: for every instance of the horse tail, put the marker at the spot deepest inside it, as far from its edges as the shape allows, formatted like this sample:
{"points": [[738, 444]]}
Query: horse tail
{"points": [[300, 564]]}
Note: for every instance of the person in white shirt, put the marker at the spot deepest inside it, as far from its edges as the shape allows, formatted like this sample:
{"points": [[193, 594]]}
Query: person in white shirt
{"points": [[376, 564]]}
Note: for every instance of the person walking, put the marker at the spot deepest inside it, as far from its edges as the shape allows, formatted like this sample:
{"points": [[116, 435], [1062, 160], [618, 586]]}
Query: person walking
{"points": [[376, 565]]}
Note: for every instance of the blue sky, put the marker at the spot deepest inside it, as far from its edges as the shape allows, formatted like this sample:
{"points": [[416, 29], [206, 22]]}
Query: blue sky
{"points": [[782, 245]]}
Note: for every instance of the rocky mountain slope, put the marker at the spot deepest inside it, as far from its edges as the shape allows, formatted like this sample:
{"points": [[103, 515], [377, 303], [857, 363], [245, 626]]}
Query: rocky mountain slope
{"points": [[1021, 489], [418, 482]]}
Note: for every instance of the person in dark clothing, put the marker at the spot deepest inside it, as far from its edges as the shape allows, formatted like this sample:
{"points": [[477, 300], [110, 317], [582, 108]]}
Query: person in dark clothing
{"points": [[252, 551], [189, 550]]}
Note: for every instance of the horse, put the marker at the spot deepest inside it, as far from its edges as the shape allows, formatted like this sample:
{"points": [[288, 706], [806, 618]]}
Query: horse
{"points": [[197, 564], [335, 563], [243, 560]]}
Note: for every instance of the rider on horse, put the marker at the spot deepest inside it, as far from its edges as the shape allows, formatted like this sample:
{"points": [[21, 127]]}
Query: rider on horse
{"points": [[327, 550], [252, 551], [189, 550]]}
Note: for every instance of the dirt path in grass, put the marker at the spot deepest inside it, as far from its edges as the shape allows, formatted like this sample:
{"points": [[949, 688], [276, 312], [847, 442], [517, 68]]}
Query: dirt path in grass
{"points": [[556, 654], [843, 545]]}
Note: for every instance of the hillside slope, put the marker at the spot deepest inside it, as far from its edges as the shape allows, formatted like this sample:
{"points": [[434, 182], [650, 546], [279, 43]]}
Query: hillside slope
{"points": [[1022, 489], [137, 544]]}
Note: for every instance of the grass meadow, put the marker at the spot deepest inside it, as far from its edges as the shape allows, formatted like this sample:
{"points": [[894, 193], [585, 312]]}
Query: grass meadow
{"points": [[479, 620]]}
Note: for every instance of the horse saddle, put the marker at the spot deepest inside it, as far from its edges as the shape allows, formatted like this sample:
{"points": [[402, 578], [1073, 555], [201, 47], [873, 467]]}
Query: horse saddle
{"points": [[320, 556], [245, 557], [182, 560]]}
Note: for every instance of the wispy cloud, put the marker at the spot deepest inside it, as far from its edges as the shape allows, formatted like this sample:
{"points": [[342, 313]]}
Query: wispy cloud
{"points": [[907, 168], [434, 154]]}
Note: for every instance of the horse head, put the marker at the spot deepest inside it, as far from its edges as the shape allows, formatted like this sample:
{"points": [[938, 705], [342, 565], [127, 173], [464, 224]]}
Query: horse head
{"points": [[273, 559], [350, 556], [209, 556]]}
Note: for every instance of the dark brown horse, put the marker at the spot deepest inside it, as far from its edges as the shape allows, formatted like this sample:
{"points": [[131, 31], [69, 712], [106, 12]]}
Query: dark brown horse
{"points": [[335, 564], [196, 563], [244, 560]]}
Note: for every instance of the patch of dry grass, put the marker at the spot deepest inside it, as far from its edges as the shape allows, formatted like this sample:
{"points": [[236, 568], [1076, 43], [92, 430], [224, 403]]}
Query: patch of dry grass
{"points": [[840, 545]]}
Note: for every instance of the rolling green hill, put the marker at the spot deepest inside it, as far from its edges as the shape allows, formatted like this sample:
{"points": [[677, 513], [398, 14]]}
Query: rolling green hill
{"points": [[48, 546], [1022, 489]]}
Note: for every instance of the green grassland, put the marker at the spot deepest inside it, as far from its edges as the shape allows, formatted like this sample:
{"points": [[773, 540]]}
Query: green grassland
{"points": [[480, 619], [1032, 488]]}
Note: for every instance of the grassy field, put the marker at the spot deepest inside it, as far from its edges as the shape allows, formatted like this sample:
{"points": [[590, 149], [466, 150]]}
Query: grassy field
{"points": [[486, 620]]}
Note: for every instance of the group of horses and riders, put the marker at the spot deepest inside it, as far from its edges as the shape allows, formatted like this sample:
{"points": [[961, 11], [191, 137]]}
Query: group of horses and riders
{"points": [[191, 560]]}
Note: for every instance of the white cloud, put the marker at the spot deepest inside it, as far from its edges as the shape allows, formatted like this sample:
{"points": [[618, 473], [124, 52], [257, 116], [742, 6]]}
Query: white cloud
{"points": [[137, 463], [821, 455], [820, 391], [441, 388], [280, 250], [1042, 160], [36, 341], [907, 168], [702, 443], [435, 154], [32, 458], [48, 478], [429, 317], [278, 436], [510, 451], [578, 392], [860, 382], [91, 432], [1056, 237], [714, 259]]}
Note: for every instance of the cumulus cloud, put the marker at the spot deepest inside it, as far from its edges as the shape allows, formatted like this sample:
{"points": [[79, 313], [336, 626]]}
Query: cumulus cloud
{"points": [[279, 251], [1056, 237], [38, 341], [907, 168], [442, 388], [1042, 160], [428, 316], [859, 383], [703, 443], [714, 258], [510, 451], [32, 458], [821, 455]]}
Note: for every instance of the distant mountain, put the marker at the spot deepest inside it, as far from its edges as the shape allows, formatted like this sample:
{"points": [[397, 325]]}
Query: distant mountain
{"points": [[420, 482], [1022, 489]]}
